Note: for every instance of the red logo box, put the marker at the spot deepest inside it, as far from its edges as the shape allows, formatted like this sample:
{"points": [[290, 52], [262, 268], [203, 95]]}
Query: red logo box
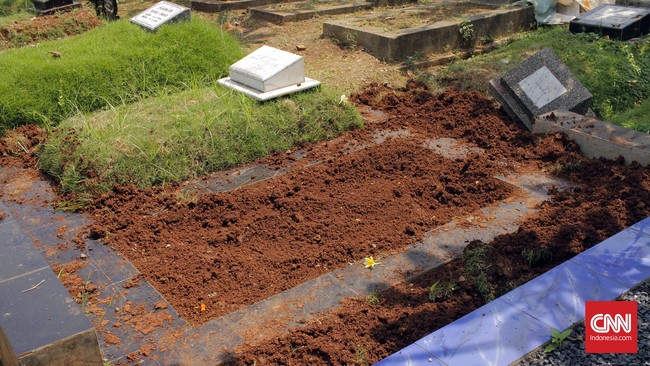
{"points": [[611, 327]]}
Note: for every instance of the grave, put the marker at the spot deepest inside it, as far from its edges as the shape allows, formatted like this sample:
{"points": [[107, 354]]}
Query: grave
{"points": [[161, 13], [597, 138], [44, 7], [268, 73], [399, 41], [540, 84], [296, 11], [616, 21]]}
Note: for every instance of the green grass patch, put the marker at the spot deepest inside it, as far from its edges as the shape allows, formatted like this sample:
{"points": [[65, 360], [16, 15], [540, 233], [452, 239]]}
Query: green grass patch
{"points": [[180, 136], [9, 7], [111, 65], [616, 73]]}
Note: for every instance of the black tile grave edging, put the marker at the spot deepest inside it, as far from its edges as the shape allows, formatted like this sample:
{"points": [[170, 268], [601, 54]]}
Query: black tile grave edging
{"points": [[398, 45], [41, 323]]}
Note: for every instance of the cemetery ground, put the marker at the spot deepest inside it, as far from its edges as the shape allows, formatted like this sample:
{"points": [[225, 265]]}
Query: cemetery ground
{"points": [[215, 244]]}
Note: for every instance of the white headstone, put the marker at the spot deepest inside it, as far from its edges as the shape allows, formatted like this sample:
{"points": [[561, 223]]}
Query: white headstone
{"points": [[267, 73], [161, 13]]}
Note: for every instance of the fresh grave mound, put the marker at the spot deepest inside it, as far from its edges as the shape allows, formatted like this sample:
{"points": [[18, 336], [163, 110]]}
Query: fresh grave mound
{"points": [[229, 250], [604, 197]]}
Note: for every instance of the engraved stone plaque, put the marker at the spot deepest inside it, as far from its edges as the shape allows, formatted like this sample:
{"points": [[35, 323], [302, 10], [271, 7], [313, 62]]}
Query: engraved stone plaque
{"points": [[161, 13], [542, 87]]}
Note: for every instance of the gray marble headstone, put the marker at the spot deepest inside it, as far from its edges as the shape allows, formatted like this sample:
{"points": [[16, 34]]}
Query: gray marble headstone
{"points": [[267, 73], [540, 84], [161, 13], [616, 21]]}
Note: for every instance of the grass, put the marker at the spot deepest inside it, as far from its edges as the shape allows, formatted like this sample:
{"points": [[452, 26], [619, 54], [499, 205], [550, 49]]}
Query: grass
{"points": [[10, 7], [111, 65], [616, 73], [476, 264], [181, 136]]}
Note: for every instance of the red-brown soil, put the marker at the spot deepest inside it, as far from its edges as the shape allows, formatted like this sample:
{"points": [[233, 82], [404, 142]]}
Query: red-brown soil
{"points": [[605, 198], [229, 250], [22, 32]]}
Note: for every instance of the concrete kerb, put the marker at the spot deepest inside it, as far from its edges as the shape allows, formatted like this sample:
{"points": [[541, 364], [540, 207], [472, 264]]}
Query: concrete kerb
{"points": [[398, 45], [597, 138]]}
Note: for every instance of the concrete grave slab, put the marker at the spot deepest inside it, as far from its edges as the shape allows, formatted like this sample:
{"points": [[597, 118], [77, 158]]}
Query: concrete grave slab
{"points": [[161, 13], [540, 84], [268, 73], [597, 138], [616, 21]]}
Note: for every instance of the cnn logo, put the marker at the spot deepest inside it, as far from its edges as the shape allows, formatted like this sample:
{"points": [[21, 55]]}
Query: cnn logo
{"points": [[611, 327], [605, 323]]}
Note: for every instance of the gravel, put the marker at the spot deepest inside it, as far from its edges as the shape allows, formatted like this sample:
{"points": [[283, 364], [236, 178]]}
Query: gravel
{"points": [[572, 350]]}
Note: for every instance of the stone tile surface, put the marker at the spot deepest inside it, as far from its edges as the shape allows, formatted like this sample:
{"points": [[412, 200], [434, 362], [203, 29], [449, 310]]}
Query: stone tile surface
{"points": [[558, 296], [495, 334], [623, 258], [34, 318], [17, 253], [412, 355]]}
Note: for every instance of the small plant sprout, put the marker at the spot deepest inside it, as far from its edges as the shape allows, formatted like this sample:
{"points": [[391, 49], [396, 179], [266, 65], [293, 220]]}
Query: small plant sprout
{"points": [[370, 262], [557, 339], [373, 298], [441, 290]]}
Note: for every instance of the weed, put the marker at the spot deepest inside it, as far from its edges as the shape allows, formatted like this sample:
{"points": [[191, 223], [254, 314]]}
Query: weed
{"points": [[467, 32], [373, 298], [86, 292], [486, 39], [360, 355], [568, 167], [557, 339], [441, 290], [476, 266], [536, 256], [186, 196]]}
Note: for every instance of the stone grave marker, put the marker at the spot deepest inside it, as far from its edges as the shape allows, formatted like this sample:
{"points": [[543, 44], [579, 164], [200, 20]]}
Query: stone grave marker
{"points": [[268, 73], [161, 13], [616, 21], [540, 84]]}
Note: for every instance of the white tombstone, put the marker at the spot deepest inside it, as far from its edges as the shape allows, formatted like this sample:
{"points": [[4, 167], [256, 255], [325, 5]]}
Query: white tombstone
{"points": [[268, 73], [161, 13]]}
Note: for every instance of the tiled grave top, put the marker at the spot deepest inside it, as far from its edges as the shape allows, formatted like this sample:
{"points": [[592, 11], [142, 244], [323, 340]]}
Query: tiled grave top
{"points": [[543, 83], [518, 322], [40, 323], [159, 14], [597, 138], [612, 16]]}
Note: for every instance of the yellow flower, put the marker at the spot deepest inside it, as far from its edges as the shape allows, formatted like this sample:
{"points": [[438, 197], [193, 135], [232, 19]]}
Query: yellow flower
{"points": [[370, 262], [203, 307]]}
